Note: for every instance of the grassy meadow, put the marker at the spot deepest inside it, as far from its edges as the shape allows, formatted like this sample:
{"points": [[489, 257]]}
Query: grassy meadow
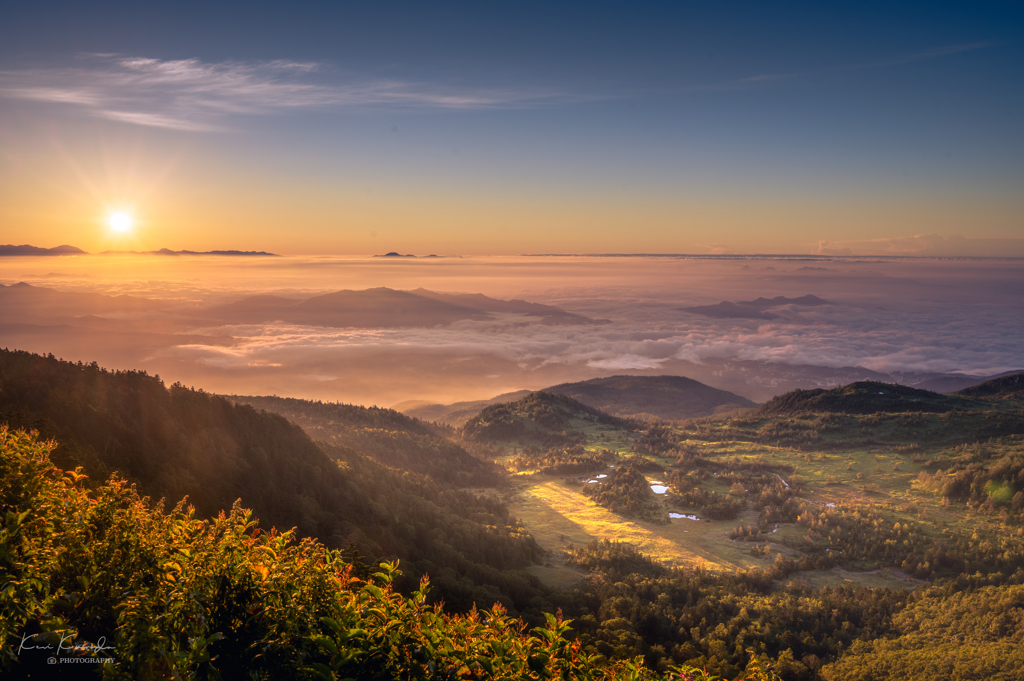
{"points": [[869, 461]]}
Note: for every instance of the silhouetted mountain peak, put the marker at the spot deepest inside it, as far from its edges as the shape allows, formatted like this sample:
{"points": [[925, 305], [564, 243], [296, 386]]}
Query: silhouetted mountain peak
{"points": [[754, 309], [25, 249]]}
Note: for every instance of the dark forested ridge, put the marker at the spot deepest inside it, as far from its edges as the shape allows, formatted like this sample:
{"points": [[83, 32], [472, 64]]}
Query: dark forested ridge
{"points": [[388, 436], [1005, 386], [176, 442], [667, 397], [863, 397], [172, 441]]}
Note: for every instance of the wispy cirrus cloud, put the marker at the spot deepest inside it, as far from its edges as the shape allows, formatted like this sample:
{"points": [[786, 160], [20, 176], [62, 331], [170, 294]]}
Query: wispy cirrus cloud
{"points": [[193, 95], [764, 79], [925, 55]]}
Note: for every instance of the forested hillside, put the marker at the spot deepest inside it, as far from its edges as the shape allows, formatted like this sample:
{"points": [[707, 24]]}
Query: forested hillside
{"points": [[388, 436], [864, 397], [538, 419], [666, 397], [102, 577], [1004, 387], [177, 442]]}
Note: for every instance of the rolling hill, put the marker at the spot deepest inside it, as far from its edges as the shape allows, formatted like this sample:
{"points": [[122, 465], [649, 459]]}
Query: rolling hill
{"points": [[1011, 386], [863, 397], [457, 413], [667, 397], [540, 419]]}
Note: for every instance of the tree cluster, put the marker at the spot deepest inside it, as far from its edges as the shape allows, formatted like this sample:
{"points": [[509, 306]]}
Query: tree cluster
{"points": [[574, 460], [632, 606], [626, 491]]}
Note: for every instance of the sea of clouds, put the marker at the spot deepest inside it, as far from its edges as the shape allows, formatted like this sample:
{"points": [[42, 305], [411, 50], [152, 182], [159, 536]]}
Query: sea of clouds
{"points": [[881, 314]]}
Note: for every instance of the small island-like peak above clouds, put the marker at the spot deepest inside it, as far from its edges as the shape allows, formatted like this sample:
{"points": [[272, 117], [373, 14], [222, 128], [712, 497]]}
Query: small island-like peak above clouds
{"points": [[25, 249], [396, 254], [760, 308]]}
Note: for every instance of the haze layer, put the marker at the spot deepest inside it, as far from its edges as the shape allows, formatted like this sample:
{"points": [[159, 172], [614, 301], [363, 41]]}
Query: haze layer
{"points": [[182, 320]]}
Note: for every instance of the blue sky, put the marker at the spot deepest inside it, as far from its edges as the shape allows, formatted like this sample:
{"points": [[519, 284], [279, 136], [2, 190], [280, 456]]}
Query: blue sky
{"points": [[516, 127]]}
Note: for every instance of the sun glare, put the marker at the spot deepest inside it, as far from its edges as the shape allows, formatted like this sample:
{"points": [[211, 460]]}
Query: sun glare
{"points": [[120, 222]]}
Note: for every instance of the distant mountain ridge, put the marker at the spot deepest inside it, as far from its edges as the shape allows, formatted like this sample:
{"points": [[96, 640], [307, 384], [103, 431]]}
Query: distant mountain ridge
{"points": [[457, 413], [22, 300], [383, 307], [667, 397], [955, 383], [25, 249], [754, 309], [761, 380], [168, 251]]}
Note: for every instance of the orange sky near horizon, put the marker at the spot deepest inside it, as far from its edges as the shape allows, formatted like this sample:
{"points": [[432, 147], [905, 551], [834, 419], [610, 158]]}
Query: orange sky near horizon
{"points": [[70, 202]]}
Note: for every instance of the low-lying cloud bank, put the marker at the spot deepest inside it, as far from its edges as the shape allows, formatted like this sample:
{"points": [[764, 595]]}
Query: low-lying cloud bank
{"points": [[925, 316], [927, 245]]}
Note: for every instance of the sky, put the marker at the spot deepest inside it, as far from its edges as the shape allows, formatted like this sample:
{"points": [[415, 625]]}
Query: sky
{"points": [[316, 128]]}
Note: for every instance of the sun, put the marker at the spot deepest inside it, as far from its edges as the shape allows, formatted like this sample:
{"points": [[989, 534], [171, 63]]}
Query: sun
{"points": [[120, 222]]}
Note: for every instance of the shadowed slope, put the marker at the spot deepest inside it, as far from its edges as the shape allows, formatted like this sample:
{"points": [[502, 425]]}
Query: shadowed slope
{"points": [[668, 397], [174, 442], [1006, 386], [457, 413], [388, 436], [863, 397]]}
